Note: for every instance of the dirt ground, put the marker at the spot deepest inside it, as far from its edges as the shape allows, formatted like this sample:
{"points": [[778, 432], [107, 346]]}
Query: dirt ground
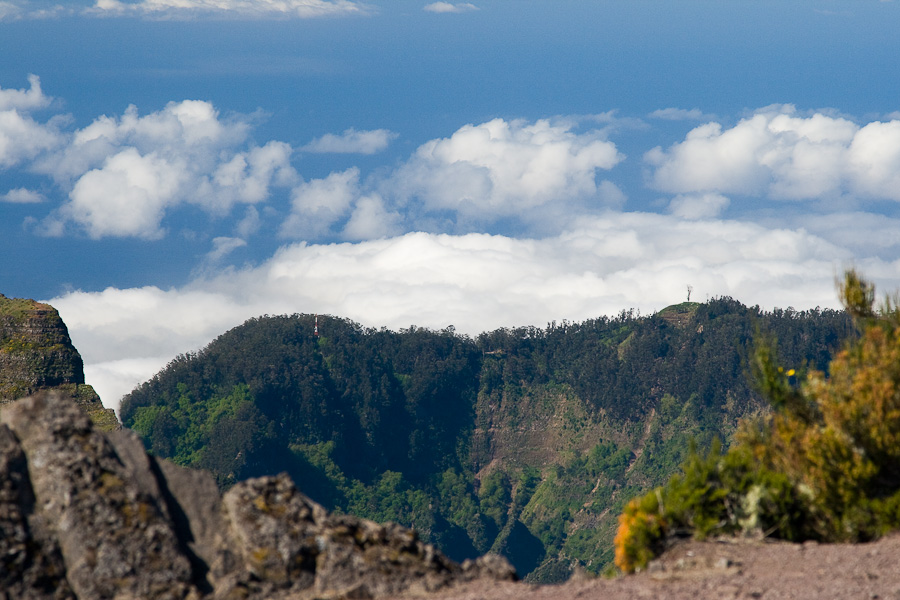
{"points": [[728, 569]]}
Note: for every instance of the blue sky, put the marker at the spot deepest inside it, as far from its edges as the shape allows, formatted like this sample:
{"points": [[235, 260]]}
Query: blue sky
{"points": [[169, 168]]}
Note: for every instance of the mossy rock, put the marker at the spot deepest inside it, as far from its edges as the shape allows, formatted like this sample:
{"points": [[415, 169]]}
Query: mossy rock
{"points": [[37, 354]]}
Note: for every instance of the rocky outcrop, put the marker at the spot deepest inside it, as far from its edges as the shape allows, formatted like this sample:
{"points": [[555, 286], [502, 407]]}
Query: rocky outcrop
{"points": [[88, 514], [36, 354]]}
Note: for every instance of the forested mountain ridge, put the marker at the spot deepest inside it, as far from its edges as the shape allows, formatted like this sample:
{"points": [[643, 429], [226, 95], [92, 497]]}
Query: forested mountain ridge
{"points": [[523, 441]]}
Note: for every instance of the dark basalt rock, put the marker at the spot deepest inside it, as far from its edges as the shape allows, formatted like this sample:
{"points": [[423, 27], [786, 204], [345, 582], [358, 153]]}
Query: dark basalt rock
{"points": [[88, 514]]}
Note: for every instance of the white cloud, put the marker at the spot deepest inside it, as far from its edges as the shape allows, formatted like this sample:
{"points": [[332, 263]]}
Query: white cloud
{"points": [[16, 11], [778, 153], [22, 138], [125, 172], [680, 114], [540, 175], [247, 9], [371, 220], [610, 195], [447, 7], [700, 206], [21, 196], [246, 178], [115, 378], [191, 129], [249, 224], [10, 11], [25, 100], [860, 232], [126, 197], [506, 169], [476, 282], [318, 204], [222, 246], [352, 142]]}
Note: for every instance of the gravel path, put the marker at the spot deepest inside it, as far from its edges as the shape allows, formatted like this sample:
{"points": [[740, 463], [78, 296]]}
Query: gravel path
{"points": [[729, 569]]}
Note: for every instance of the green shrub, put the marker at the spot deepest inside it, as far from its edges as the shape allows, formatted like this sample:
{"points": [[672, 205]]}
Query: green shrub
{"points": [[824, 465]]}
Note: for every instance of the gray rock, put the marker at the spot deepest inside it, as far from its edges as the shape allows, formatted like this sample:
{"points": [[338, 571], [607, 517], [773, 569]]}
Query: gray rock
{"points": [[90, 515], [113, 537], [31, 565]]}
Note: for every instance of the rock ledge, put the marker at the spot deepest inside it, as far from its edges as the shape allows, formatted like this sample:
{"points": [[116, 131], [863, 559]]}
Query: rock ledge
{"points": [[88, 514]]}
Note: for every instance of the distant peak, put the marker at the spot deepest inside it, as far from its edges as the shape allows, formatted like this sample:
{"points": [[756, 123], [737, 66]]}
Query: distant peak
{"points": [[679, 314]]}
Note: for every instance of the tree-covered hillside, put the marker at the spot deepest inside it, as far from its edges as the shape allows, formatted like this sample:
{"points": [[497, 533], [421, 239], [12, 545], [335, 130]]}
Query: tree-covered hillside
{"points": [[522, 441]]}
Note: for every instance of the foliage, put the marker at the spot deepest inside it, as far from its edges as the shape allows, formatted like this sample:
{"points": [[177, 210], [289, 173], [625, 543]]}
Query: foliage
{"points": [[640, 533], [824, 465], [526, 441]]}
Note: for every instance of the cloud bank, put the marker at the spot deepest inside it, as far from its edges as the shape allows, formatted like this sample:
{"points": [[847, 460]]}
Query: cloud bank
{"points": [[476, 282]]}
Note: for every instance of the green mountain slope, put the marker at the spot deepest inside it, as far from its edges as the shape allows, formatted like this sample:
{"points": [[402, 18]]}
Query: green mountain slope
{"points": [[522, 441]]}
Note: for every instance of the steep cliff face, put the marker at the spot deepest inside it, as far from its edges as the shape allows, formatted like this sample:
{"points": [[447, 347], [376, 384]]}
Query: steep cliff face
{"points": [[36, 353], [88, 514]]}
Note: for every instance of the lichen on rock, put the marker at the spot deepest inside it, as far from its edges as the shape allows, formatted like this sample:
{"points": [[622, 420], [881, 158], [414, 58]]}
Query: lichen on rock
{"points": [[88, 514]]}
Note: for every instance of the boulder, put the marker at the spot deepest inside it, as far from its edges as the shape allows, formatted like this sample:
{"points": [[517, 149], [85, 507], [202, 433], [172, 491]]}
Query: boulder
{"points": [[88, 514]]}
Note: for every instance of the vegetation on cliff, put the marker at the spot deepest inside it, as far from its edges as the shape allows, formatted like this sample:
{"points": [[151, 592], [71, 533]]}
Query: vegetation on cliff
{"points": [[823, 465], [526, 441], [36, 354]]}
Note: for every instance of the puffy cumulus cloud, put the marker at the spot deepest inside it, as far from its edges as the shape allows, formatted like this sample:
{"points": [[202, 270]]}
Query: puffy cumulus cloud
{"points": [[126, 197], [699, 206], [476, 282], [536, 175], [191, 129], [21, 137], [126, 172], [24, 100], [246, 9], [712, 160], [21, 196], [447, 7], [503, 169], [371, 220], [782, 154], [352, 142], [247, 176], [318, 204], [874, 160]]}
